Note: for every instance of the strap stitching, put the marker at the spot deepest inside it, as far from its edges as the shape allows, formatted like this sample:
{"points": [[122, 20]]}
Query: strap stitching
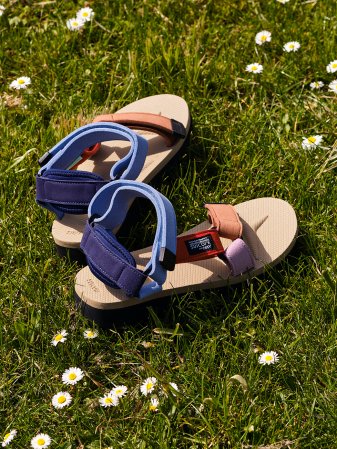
{"points": [[137, 273]]}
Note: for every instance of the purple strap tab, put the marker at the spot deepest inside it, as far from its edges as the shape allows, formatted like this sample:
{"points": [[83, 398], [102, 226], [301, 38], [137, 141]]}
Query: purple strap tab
{"points": [[239, 257], [67, 191], [110, 261]]}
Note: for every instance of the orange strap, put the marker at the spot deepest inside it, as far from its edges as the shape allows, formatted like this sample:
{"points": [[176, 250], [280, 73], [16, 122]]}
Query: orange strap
{"points": [[168, 128], [225, 220]]}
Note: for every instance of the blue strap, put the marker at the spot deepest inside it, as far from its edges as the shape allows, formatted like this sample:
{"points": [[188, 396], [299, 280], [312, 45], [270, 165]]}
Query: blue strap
{"points": [[110, 261], [70, 191], [69, 149], [109, 207], [65, 191]]}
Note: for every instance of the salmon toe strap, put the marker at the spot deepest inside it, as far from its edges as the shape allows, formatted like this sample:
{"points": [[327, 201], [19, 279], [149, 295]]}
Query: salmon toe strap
{"points": [[225, 220]]}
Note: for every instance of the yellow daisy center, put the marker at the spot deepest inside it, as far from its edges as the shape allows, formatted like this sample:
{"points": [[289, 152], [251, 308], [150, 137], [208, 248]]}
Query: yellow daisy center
{"points": [[7, 436], [108, 401], [149, 386], [85, 14], [58, 337], [291, 46], [263, 38], [119, 391], [75, 24], [61, 399], [254, 67], [72, 376], [152, 407], [269, 358], [40, 441], [90, 334], [334, 65], [21, 81], [312, 139]]}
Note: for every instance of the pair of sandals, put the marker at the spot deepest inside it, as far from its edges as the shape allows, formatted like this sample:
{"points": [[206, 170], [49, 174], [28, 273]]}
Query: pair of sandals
{"points": [[88, 181]]}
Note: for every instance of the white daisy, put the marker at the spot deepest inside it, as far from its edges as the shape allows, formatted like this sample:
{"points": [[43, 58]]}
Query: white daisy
{"points": [[8, 437], [291, 46], [59, 337], [333, 86], [72, 375], [90, 333], [262, 37], [332, 67], [119, 391], [283, 1], [268, 358], [174, 386], [311, 142], [40, 441], [154, 404], [148, 385], [109, 400], [254, 68], [316, 84], [2, 9], [61, 399], [20, 83], [75, 24], [85, 14]]}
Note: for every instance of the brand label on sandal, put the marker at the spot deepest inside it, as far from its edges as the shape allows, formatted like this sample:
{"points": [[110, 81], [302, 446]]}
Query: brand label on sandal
{"points": [[200, 245]]}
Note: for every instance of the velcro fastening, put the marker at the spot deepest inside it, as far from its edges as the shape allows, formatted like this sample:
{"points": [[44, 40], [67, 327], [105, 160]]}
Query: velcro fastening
{"points": [[239, 257], [225, 220], [110, 261], [67, 191], [199, 246]]}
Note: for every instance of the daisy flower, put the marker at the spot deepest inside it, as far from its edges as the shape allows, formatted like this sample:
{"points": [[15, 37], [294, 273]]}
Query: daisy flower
{"points": [[332, 67], [268, 358], [291, 46], [148, 385], [109, 400], [316, 84], [85, 14], [61, 399], [59, 337], [283, 1], [311, 142], [2, 9], [154, 404], [254, 68], [174, 386], [8, 437], [20, 83], [333, 86], [72, 375], [90, 334], [75, 24], [40, 441], [262, 37], [119, 391]]}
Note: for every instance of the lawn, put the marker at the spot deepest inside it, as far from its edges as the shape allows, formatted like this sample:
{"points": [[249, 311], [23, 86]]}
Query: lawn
{"points": [[246, 142]]}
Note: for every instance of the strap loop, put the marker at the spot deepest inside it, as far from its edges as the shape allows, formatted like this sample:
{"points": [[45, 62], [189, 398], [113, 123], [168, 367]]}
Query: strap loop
{"points": [[110, 206]]}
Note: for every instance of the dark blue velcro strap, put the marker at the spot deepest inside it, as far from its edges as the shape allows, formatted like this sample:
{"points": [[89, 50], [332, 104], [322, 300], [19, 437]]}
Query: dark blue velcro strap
{"points": [[110, 261], [65, 191]]}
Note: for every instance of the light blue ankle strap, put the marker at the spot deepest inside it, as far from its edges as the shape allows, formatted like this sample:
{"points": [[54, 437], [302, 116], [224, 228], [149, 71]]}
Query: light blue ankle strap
{"points": [[68, 150], [109, 207]]}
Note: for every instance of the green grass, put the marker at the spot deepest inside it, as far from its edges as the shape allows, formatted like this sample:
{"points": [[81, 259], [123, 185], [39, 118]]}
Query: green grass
{"points": [[245, 143]]}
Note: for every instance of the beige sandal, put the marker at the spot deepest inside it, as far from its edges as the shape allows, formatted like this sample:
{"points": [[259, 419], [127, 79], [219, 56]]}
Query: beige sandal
{"points": [[241, 243], [162, 120]]}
